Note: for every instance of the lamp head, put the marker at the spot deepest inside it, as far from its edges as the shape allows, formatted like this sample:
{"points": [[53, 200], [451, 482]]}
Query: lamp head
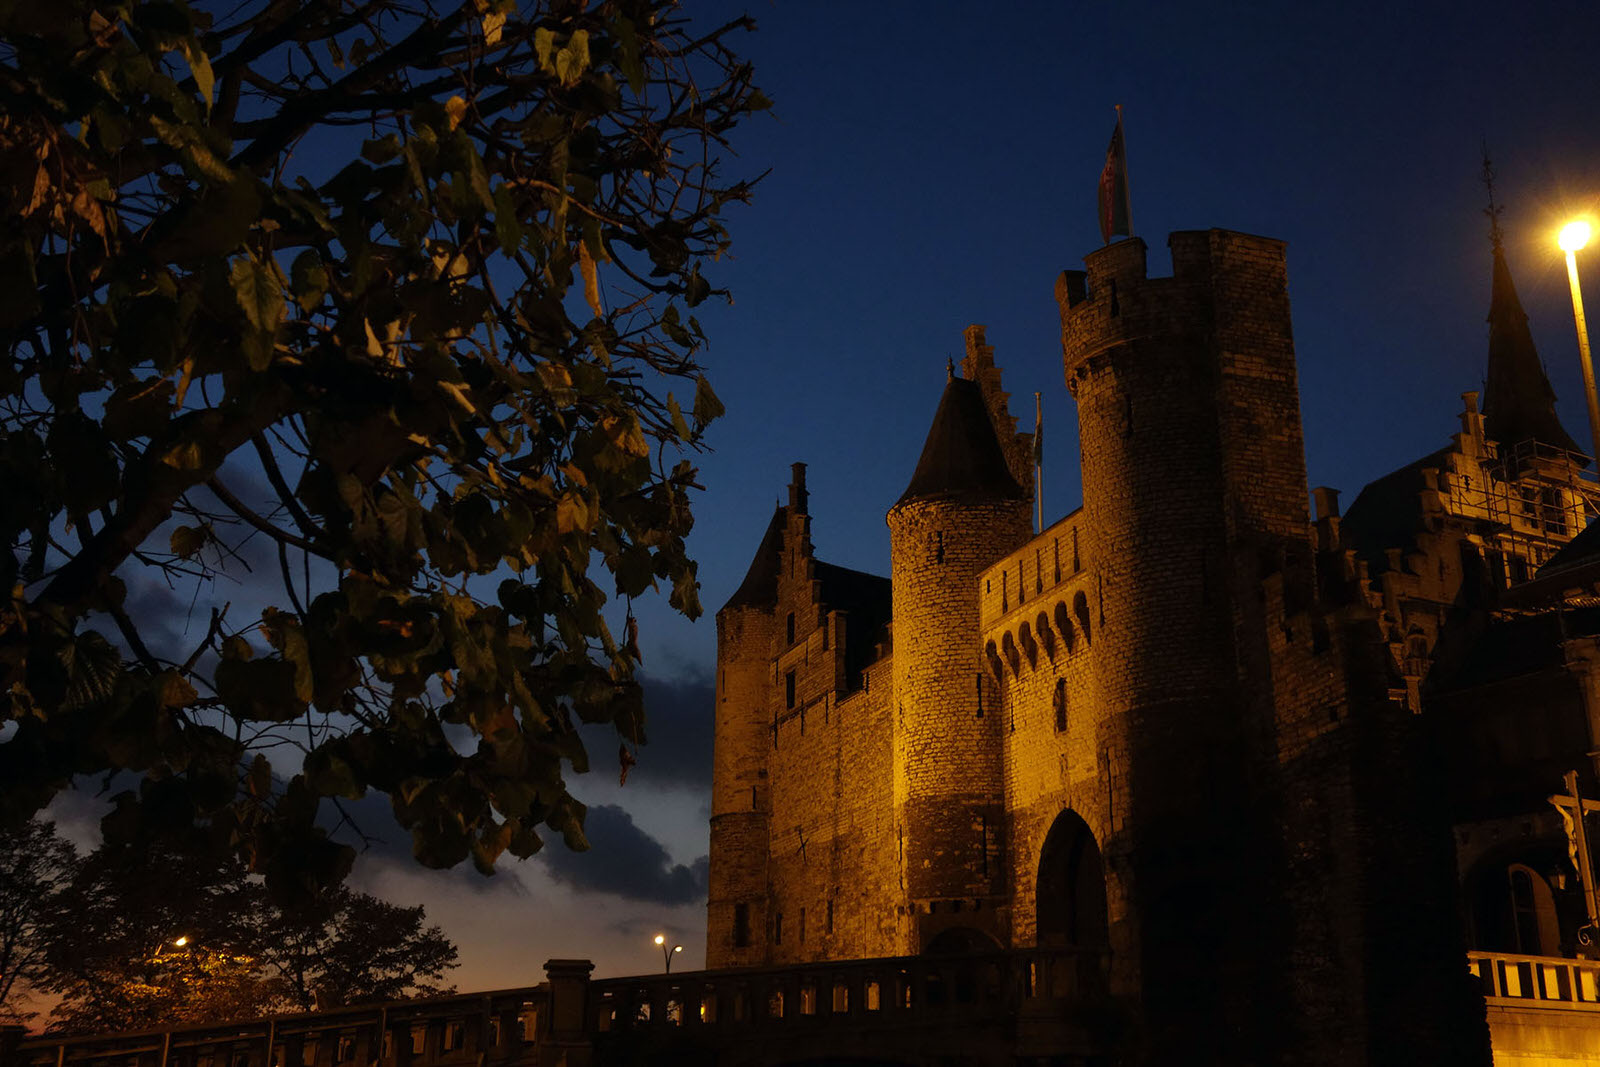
{"points": [[181, 941], [661, 939], [1574, 235], [677, 948]]}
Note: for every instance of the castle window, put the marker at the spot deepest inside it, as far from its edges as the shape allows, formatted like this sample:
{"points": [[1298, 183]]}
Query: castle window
{"points": [[1061, 705], [938, 551], [1077, 564], [802, 926], [788, 690], [980, 694], [1038, 571], [777, 929], [1005, 601], [1057, 545], [741, 926], [788, 627], [828, 918]]}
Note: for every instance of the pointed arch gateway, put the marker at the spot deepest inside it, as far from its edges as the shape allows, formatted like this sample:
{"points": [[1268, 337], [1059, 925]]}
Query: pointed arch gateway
{"points": [[1071, 898]]}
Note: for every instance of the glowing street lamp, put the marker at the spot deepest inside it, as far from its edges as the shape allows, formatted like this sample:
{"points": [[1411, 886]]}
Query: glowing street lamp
{"points": [[1573, 236], [667, 953]]}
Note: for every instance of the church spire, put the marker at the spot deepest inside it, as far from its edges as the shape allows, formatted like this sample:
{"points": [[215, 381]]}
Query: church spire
{"points": [[1518, 403]]}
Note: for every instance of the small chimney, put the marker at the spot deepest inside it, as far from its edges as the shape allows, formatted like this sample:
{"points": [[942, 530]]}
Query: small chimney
{"points": [[797, 489], [1326, 502]]}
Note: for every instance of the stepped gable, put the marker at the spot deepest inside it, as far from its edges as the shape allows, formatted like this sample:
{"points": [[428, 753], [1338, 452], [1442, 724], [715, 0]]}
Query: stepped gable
{"points": [[962, 458], [760, 586], [1518, 403]]}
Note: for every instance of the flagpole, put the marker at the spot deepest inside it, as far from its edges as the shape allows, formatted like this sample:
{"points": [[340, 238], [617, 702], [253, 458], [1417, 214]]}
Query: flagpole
{"points": [[1127, 185]]}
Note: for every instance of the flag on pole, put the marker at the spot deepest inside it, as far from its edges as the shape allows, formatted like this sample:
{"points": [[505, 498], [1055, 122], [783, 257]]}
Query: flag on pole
{"points": [[1038, 431], [1114, 209]]}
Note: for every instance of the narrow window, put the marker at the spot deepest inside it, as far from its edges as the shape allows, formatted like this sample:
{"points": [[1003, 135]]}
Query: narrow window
{"points": [[1077, 565], [1038, 570], [788, 689], [1061, 705], [752, 798], [802, 926], [1057, 545], [741, 926], [1005, 601], [777, 928], [829, 916], [983, 847], [938, 550], [455, 1035], [980, 694], [788, 627]]}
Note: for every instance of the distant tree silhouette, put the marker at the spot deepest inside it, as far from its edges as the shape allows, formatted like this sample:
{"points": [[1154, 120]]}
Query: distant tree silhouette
{"points": [[152, 935], [36, 865], [385, 298]]}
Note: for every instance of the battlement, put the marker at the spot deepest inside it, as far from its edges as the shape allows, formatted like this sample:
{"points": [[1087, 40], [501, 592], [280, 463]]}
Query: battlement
{"points": [[1115, 301]]}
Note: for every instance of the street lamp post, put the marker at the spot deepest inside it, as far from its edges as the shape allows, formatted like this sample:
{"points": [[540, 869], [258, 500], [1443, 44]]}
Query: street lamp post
{"points": [[1573, 236], [667, 952]]}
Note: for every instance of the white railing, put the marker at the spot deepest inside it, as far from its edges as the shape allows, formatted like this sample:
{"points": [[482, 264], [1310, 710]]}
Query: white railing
{"points": [[1542, 981]]}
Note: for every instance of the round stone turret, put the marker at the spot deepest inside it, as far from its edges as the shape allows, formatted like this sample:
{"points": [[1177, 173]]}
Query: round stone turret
{"points": [[961, 511]]}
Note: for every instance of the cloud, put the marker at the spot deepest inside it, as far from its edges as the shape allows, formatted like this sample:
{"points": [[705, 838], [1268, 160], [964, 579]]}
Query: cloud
{"points": [[626, 862], [678, 719]]}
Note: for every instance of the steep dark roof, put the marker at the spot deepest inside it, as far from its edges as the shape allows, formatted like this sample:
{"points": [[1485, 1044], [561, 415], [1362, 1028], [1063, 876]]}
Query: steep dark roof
{"points": [[1519, 646], [760, 585], [865, 597], [1518, 403], [962, 457], [1388, 513]]}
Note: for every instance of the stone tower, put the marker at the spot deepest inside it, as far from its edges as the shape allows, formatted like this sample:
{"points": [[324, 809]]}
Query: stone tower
{"points": [[961, 511], [1255, 763], [741, 811]]}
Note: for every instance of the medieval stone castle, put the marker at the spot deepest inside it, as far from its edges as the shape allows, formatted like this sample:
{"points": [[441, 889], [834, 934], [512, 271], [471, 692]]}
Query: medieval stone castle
{"points": [[1217, 740]]}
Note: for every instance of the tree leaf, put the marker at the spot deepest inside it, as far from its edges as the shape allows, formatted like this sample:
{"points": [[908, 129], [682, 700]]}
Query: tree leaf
{"points": [[591, 279], [187, 541]]}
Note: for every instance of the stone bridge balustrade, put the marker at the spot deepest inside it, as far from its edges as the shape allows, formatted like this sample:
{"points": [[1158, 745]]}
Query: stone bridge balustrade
{"points": [[506, 1028], [907, 1009]]}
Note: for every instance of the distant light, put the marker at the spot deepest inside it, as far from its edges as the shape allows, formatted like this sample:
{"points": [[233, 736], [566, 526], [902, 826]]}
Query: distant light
{"points": [[180, 942], [1573, 236], [661, 939]]}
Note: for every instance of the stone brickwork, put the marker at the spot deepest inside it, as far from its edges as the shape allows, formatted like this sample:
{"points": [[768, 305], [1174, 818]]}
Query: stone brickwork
{"points": [[1168, 725], [949, 788]]}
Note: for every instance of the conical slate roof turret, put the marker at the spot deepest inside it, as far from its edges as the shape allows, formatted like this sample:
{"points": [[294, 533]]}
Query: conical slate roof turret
{"points": [[1518, 402], [760, 586], [962, 458]]}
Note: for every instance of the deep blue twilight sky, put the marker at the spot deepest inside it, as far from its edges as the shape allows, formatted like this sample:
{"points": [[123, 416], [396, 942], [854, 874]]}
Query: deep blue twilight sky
{"points": [[934, 164]]}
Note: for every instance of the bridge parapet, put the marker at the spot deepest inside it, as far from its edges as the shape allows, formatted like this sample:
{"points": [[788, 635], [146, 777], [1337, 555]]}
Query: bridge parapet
{"points": [[1046, 1002], [1040, 1002], [505, 1028]]}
